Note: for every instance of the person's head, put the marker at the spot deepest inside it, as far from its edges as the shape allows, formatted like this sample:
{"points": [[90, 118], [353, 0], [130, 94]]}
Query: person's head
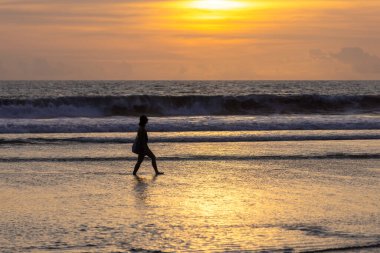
{"points": [[143, 120]]}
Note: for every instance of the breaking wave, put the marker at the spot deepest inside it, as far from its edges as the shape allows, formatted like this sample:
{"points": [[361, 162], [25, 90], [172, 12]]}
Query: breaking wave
{"points": [[298, 136], [106, 106], [193, 123]]}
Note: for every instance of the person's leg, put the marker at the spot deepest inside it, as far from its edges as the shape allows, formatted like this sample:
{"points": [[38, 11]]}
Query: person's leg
{"points": [[140, 159], [150, 154]]}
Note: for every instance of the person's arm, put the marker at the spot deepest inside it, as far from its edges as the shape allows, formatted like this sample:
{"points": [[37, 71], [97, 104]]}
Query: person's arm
{"points": [[143, 137]]}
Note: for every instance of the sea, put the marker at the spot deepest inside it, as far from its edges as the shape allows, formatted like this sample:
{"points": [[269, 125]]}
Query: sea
{"points": [[250, 166]]}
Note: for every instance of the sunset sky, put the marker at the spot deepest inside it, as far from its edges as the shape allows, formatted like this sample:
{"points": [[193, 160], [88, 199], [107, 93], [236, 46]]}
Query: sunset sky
{"points": [[201, 39]]}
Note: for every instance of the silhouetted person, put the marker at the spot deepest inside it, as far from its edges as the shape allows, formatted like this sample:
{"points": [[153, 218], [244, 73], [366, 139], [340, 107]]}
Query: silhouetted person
{"points": [[140, 147]]}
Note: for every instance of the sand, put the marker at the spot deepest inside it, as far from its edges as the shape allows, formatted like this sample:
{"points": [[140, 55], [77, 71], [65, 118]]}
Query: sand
{"points": [[285, 196]]}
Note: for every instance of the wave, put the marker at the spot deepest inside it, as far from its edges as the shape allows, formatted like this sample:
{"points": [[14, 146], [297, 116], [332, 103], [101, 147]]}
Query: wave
{"points": [[354, 248], [194, 158], [106, 106], [193, 123], [191, 139]]}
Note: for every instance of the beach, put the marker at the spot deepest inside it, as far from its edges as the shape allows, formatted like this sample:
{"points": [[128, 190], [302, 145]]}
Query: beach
{"points": [[262, 116], [283, 196], [250, 166]]}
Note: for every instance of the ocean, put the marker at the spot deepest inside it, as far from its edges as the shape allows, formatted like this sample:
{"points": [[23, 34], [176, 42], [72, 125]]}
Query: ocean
{"points": [[252, 166]]}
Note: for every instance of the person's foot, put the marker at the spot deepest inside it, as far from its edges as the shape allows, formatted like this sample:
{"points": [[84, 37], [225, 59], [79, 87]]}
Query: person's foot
{"points": [[134, 173], [159, 173]]}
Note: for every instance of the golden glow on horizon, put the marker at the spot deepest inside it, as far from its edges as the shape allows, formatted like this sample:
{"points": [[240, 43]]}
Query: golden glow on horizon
{"points": [[188, 39], [217, 4], [211, 16]]}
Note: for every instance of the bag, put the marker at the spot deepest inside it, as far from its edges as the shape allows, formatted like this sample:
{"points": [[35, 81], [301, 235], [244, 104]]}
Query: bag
{"points": [[136, 146]]}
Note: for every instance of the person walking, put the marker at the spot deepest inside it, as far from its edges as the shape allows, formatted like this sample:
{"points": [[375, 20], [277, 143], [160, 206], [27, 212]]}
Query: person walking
{"points": [[141, 148]]}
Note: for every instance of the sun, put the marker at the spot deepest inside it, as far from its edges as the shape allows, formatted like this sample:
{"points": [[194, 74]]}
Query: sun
{"points": [[217, 4]]}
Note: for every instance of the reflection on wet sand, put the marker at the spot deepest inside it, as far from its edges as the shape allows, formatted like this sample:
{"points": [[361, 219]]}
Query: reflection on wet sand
{"points": [[262, 205], [141, 187]]}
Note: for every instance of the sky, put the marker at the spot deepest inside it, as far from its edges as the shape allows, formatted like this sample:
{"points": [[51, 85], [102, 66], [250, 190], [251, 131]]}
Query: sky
{"points": [[189, 39]]}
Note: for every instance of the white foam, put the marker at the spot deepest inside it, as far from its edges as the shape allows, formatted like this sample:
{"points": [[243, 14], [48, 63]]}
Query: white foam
{"points": [[194, 123], [186, 105]]}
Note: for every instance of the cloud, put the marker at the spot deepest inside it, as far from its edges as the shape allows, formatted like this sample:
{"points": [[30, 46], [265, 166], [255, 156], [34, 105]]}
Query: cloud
{"points": [[360, 61], [163, 39], [318, 54]]}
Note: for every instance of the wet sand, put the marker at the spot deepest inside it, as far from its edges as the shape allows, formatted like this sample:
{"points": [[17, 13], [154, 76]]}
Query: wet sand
{"points": [[267, 196]]}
